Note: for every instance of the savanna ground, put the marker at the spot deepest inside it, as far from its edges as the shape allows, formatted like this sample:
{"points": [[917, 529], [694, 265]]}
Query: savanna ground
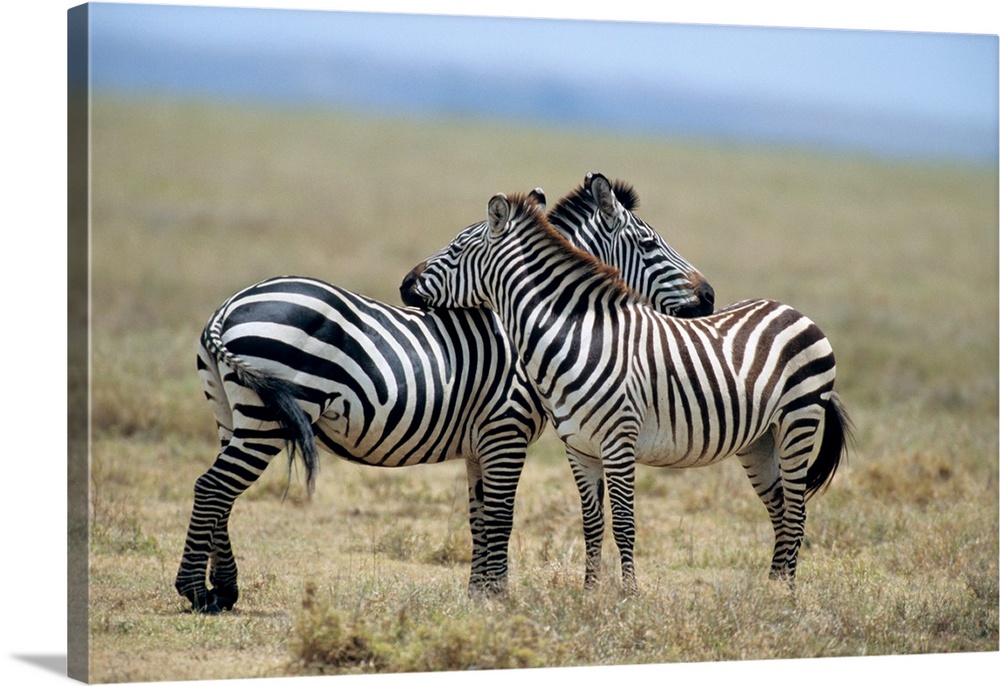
{"points": [[896, 262]]}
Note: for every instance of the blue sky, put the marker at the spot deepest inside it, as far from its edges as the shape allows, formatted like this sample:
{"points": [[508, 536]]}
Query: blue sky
{"points": [[936, 75]]}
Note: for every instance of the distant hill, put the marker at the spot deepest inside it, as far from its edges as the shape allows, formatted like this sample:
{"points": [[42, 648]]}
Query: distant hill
{"points": [[363, 81]]}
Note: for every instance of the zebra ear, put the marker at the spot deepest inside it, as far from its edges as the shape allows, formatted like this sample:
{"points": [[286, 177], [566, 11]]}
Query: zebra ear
{"points": [[600, 189], [538, 196], [498, 213]]}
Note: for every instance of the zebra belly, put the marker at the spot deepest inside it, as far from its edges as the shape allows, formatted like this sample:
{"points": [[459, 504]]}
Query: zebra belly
{"points": [[656, 448], [678, 446], [656, 456], [410, 429], [661, 449], [401, 454]]}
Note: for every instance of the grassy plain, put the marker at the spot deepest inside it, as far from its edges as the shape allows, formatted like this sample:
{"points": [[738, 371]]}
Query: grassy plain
{"points": [[896, 262]]}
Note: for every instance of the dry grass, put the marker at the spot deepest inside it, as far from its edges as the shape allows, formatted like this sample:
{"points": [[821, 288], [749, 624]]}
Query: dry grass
{"points": [[897, 263]]}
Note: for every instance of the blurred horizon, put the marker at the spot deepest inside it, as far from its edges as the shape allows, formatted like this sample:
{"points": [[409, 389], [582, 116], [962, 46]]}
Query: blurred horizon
{"points": [[889, 94]]}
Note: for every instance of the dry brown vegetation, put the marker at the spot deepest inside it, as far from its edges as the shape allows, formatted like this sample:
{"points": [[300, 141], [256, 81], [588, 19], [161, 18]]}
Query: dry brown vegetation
{"points": [[896, 262]]}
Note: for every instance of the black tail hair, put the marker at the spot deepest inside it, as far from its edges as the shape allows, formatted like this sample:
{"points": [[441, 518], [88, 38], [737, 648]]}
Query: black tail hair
{"points": [[280, 395], [837, 433]]}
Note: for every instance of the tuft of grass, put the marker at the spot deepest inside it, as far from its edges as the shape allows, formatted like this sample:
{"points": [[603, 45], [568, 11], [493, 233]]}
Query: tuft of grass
{"points": [[324, 640], [412, 634], [470, 642]]}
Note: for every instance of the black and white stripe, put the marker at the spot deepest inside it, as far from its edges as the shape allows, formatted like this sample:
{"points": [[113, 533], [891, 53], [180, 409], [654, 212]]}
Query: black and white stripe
{"points": [[623, 383], [599, 217], [297, 361]]}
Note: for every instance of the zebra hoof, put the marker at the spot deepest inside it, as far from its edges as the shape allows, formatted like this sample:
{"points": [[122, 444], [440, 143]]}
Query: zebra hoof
{"points": [[212, 605], [783, 578], [488, 587], [212, 602], [199, 599], [224, 597]]}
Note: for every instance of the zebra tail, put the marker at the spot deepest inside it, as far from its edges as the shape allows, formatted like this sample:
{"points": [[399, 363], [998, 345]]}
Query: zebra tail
{"points": [[280, 394], [837, 433], [277, 394]]}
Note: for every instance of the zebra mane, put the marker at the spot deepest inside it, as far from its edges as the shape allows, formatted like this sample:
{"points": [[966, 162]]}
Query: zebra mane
{"points": [[524, 210], [580, 201]]}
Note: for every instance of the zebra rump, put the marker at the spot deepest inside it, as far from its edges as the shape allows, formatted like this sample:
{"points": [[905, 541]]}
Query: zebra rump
{"points": [[279, 396]]}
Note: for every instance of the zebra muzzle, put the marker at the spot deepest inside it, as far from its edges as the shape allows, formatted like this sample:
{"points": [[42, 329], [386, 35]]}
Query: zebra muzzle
{"points": [[408, 288], [705, 298]]}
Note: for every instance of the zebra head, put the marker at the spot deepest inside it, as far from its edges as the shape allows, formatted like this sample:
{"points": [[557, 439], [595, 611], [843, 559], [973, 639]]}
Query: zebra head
{"points": [[598, 217], [448, 281], [460, 274]]}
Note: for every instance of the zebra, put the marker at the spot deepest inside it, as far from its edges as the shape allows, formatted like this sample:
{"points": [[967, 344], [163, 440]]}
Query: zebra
{"points": [[297, 362], [622, 383]]}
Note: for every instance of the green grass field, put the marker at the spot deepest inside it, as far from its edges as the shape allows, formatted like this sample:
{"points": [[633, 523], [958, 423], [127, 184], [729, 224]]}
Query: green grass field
{"points": [[898, 263]]}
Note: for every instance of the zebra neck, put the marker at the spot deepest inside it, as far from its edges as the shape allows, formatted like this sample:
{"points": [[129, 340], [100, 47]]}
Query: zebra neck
{"points": [[544, 306]]}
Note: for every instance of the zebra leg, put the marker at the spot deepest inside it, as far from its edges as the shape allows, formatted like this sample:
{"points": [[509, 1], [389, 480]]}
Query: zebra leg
{"points": [[477, 525], [760, 462], [588, 472], [234, 470], [502, 465], [798, 440], [222, 564], [222, 567], [619, 468]]}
